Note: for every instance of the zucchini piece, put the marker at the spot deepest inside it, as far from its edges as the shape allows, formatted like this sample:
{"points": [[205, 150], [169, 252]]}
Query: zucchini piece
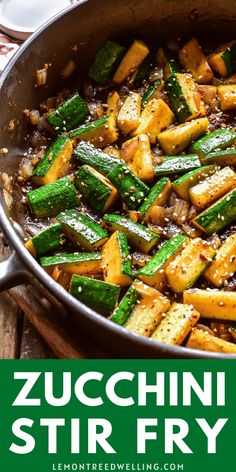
{"points": [[213, 187], [219, 139], [209, 96], [206, 342], [152, 92], [195, 62], [227, 96], [106, 61], [112, 150], [126, 306], [132, 190], [113, 105], [227, 157], [139, 158], [177, 164], [155, 118], [76, 263], [96, 294], [217, 216], [223, 60], [88, 154], [170, 64], [97, 133], [117, 261], [143, 71], [50, 199], [183, 184], [131, 61], [224, 265], [148, 313], [129, 114], [69, 114], [176, 325], [185, 98], [153, 273], [82, 230], [96, 189], [47, 240], [189, 265], [158, 195], [178, 138], [55, 163], [140, 236], [215, 304]]}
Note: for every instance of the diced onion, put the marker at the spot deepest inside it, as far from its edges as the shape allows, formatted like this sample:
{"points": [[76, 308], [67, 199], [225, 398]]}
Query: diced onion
{"points": [[68, 69], [41, 76], [34, 117]]}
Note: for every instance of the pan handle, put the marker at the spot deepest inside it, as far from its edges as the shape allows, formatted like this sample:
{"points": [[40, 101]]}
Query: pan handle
{"points": [[12, 272]]}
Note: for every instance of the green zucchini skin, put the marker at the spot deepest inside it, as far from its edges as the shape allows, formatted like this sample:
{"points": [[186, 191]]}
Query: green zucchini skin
{"points": [[69, 114], [126, 306], [132, 190], [219, 215], [226, 157], [168, 249], [177, 164], [82, 230], [126, 259], [229, 58], [87, 127], [86, 153], [208, 143], [60, 259], [183, 184], [152, 195], [94, 293], [143, 70], [178, 101], [142, 237], [48, 240], [50, 156], [106, 61], [148, 95], [95, 191], [51, 199]]}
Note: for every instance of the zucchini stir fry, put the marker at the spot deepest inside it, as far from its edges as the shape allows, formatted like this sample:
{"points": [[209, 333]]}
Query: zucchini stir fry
{"points": [[130, 189]]}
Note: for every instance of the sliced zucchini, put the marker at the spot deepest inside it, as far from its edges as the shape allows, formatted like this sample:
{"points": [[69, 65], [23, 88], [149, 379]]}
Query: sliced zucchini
{"points": [[143, 71], [148, 313], [95, 188], [217, 216], [223, 60], [170, 64], [213, 187], [177, 164], [219, 139], [113, 105], [50, 199], [129, 114], [132, 190], [140, 236], [55, 163], [126, 306], [76, 263], [106, 61], [69, 114], [152, 92], [215, 304], [195, 62], [189, 265], [158, 195], [178, 138], [183, 184], [94, 293], [227, 157], [185, 98], [137, 153], [117, 261], [131, 61], [153, 273], [82, 230], [204, 341], [112, 150], [155, 118], [47, 240], [176, 325], [227, 96], [86, 153], [224, 265], [97, 133]]}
